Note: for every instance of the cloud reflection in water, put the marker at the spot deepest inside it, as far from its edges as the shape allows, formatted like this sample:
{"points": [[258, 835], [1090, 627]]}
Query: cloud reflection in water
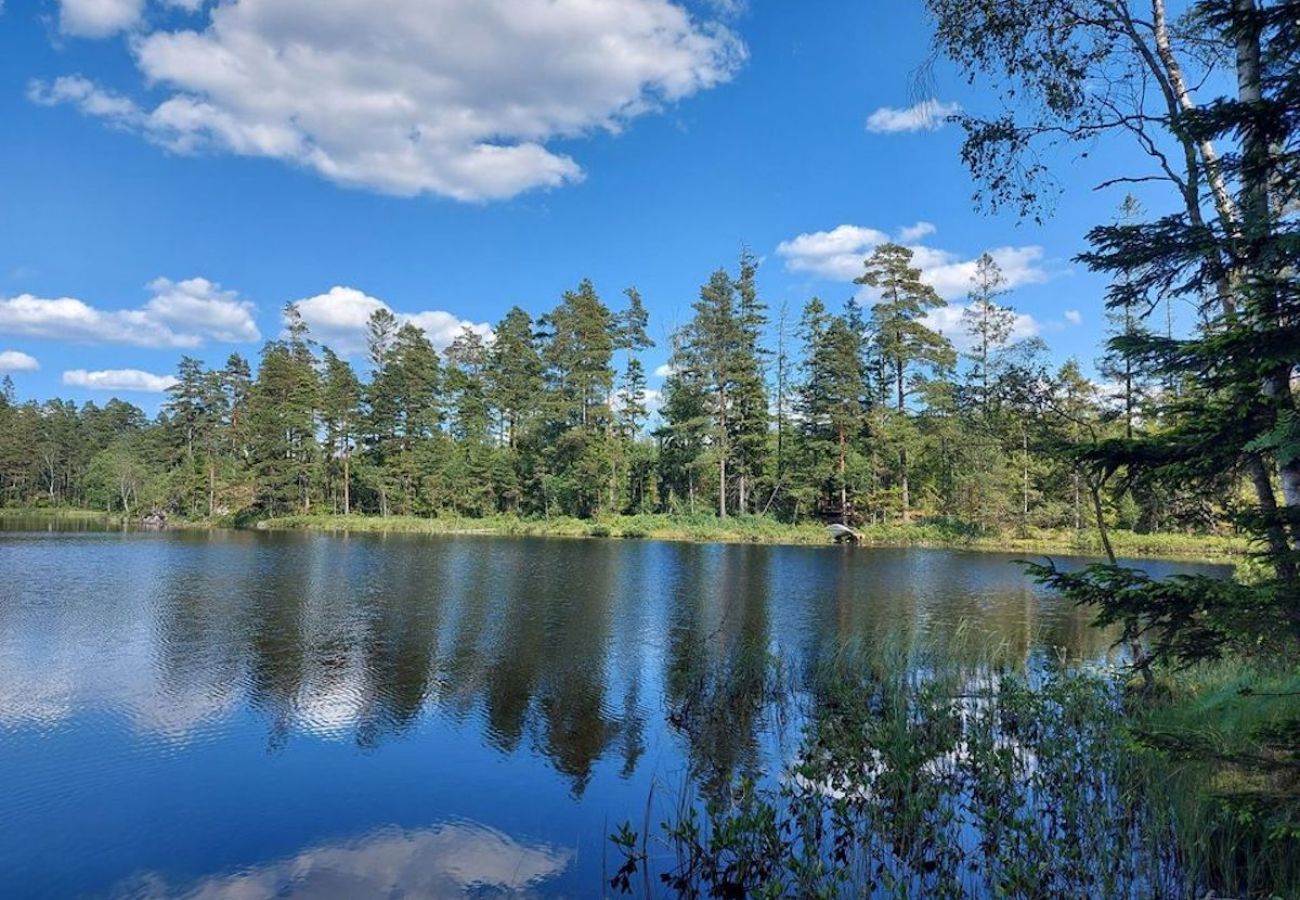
{"points": [[450, 860]]}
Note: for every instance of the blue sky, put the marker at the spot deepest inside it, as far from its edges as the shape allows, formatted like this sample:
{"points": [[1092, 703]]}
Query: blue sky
{"points": [[173, 172]]}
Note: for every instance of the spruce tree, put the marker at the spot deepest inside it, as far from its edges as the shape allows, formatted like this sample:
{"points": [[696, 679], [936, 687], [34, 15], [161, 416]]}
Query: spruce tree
{"points": [[832, 397], [750, 438]]}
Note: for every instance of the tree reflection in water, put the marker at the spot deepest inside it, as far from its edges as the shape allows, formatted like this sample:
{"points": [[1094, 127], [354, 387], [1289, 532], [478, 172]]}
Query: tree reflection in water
{"points": [[221, 695]]}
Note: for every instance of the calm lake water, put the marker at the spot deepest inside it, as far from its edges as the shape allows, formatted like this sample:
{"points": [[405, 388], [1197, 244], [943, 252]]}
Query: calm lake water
{"points": [[240, 714]]}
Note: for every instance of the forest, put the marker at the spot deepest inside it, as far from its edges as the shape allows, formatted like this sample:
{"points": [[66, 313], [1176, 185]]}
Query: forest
{"points": [[860, 412]]}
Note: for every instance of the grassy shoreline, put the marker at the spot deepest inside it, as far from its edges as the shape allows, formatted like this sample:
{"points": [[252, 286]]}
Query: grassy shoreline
{"points": [[738, 530], [760, 530], [52, 513]]}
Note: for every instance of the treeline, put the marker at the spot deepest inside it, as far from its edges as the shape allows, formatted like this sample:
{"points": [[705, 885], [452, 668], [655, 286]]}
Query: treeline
{"points": [[862, 414]]}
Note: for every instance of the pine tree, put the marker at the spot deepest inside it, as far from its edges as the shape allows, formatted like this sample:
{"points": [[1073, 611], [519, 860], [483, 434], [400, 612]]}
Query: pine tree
{"points": [[469, 479], [340, 412], [236, 384], [907, 346], [514, 374], [987, 323], [633, 338], [198, 408]]}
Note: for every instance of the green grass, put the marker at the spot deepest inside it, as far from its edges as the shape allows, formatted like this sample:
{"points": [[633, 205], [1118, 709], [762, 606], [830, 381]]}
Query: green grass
{"points": [[1226, 736], [764, 530], [51, 512], [750, 529]]}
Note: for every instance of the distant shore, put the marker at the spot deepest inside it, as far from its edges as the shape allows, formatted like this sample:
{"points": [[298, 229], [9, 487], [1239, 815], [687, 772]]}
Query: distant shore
{"points": [[737, 530]]}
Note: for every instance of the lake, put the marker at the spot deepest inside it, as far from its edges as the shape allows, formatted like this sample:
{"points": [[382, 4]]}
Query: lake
{"points": [[246, 714]]}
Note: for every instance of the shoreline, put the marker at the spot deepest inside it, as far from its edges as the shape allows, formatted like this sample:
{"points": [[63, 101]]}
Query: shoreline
{"points": [[757, 530], [740, 530]]}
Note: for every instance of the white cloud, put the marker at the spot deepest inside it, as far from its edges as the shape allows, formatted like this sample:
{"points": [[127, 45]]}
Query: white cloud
{"points": [[450, 97], [1074, 317], [653, 401], [443, 327], [338, 319], [180, 314], [838, 255], [916, 232], [91, 100], [98, 18], [947, 321], [664, 371], [951, 275], [928, 115], [118, 380], [199, 305], [17, 361], [729, 8]]}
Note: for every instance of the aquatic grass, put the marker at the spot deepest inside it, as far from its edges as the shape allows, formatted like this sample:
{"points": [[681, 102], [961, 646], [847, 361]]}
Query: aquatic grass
{"points": [[1225, 737], [920, 777]]}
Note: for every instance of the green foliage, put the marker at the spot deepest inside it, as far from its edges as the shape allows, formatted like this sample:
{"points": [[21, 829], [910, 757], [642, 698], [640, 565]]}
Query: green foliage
{"points": [[549, 419], [946, 785]]}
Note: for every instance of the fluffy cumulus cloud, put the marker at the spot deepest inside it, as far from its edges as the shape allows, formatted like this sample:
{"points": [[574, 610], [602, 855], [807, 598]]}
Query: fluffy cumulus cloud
{"points": [[927, 115], [338, 319], [1074, 317], [950, 274], [98, 18], [17, 361], [457, 98], [118, 380], [947, 320], [838, 255], [181, 314], [835, 255], [198, 305], [916, 232]]}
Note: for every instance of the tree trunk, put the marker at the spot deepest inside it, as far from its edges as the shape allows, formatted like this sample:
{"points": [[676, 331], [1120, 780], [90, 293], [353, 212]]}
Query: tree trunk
{"points": [[722, 483], [907, 498], [1024, 466], [902, 454], [1257, 212], [1078, 519], [844, 492], [1140, 661], [347, 485], [722, 452]]}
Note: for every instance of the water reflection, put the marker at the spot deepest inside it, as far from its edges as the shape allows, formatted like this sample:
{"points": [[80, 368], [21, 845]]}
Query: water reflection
{"points": [[159, 692], [548, 643], [446, 861]]}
